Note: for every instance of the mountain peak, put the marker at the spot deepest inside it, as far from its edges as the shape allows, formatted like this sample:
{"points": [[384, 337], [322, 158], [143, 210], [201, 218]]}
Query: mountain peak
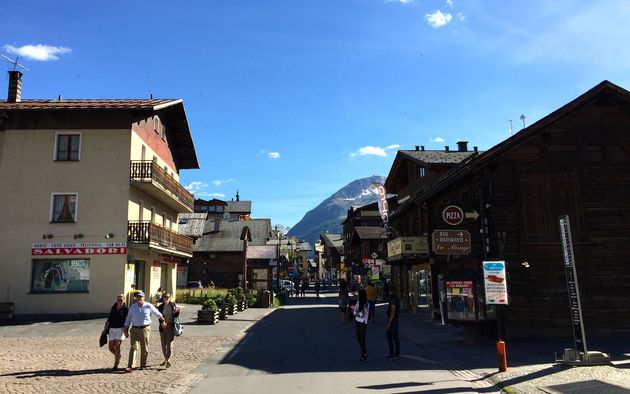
{"points": [[329, 214]]}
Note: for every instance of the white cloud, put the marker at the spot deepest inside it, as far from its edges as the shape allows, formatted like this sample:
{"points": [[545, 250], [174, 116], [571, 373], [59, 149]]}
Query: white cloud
{"points": [[370, 150], [393, 146], [196, 186], [38, 52], [449, 3], [206, 194], [219, 182], [437, 139], [438, 19], [461, 16], [401, 1], [273, 155]]}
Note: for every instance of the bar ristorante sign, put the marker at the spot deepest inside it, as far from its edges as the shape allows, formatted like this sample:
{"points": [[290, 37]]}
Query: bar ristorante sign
{"points": [[69, 249]]}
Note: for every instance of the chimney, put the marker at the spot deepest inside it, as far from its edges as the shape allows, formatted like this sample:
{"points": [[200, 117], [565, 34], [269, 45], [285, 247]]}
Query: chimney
{"points": [[462, 146], [417, 147], [446, 148], [15, 87], [475, 149], [422, 148]]}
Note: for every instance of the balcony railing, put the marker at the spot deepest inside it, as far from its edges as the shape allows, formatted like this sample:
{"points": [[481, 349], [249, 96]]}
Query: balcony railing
{"points": [[148, 170], [146, 232]]}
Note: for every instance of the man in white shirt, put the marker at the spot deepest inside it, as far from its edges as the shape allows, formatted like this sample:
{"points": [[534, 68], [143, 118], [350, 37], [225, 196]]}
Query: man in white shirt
{"points": [[139, 318]]}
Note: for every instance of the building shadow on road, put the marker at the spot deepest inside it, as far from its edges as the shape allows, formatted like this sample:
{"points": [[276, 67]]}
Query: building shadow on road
{"points": [[46, 373]]}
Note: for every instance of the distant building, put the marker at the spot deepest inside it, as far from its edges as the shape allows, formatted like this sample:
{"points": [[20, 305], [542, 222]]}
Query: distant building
{"points": [[90, 196], [333, 257], [226, 210]]}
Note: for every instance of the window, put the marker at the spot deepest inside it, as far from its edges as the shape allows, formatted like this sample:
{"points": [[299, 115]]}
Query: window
{"points": [[60, 276], [67, 147], [421, 172], [64, 208]]}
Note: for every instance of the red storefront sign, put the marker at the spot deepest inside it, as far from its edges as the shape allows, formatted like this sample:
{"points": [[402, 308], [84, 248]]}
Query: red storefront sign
{"points": [[70, 249]]}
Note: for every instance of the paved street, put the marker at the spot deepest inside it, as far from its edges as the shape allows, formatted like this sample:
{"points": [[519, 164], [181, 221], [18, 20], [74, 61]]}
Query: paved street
{"points": [[305, 347], [302, 347]]}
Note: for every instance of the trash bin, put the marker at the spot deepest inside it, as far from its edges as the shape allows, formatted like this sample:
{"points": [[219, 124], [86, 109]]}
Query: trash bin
{"points": [[266, 299]]}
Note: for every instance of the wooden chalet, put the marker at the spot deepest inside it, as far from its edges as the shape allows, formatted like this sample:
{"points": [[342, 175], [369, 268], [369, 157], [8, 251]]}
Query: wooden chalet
{"points": [[575, 162]]}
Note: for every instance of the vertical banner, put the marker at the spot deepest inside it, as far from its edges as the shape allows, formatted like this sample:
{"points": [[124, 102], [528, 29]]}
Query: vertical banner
{"points": [[383, 207], [495, 283], [572, 285]]}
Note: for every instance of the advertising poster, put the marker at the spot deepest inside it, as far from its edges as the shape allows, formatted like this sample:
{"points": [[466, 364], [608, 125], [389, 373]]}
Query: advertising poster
{"points": [[495, 282], [460, 301]]}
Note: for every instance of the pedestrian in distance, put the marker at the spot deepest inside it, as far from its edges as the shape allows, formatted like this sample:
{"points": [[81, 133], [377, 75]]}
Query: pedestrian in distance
{"points": [[370, 290], [303, 288], [158, 296], [317, 288], [170, 311], [361, 311], [342, 300], [138, 324], [393, 311], [114, 327]]}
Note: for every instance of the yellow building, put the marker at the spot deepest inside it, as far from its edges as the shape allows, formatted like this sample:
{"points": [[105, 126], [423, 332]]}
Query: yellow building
{"points": [[89, 200]]}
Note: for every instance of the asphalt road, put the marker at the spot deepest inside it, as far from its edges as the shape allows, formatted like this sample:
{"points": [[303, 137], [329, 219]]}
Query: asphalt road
{"points": [[305, 347]]}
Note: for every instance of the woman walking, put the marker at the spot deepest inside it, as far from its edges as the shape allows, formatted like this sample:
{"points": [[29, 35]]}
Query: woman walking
{"points": [[343, 299], [170, 311], [361, 311], [114, 326]]}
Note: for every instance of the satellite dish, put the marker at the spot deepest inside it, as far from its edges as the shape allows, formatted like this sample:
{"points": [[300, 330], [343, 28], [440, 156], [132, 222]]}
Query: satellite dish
{"points": [[14, 62]]}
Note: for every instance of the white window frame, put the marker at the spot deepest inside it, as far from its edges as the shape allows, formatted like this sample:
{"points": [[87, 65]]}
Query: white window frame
{"points": [[57, 134], [52, 207]]}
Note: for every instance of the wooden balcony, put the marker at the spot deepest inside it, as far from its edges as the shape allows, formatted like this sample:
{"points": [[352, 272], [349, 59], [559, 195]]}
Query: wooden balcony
{"points": [[152, 179], [151, 235]]}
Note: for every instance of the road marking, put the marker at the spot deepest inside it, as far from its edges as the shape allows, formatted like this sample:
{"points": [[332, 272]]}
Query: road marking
{"points": [[421, 359]]}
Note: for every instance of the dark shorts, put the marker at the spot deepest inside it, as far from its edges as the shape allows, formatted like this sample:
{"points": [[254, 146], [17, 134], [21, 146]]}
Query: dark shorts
{"points": [[372, 306]]}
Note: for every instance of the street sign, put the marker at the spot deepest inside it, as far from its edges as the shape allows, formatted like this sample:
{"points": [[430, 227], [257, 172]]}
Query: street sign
{"points": [[495, 282], [455, 242], [452, 215], [471, 215], [374, 255], [575, 306]]}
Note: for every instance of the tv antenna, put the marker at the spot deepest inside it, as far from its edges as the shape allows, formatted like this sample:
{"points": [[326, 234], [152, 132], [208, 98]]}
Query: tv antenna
{"points": [[523, 119], [14, 62], [511, 132]]}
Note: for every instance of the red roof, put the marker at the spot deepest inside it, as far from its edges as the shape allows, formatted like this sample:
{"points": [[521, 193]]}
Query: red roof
{"points": [[117, 104]]}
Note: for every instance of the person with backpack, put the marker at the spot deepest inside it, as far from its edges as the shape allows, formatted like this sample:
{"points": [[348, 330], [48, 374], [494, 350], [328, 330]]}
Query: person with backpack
{"points": [[393, 310], [361, 312], [170, 311]]}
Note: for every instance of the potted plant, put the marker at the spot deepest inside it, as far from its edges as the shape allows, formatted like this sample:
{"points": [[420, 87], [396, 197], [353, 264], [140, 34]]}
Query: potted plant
{"points": [[251, 299], [221, 305], [241, 304], [230, 303], [209, 312]]}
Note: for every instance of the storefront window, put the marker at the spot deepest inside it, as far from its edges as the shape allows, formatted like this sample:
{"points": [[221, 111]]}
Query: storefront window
{"points": [[460, 300], [60, 276]]}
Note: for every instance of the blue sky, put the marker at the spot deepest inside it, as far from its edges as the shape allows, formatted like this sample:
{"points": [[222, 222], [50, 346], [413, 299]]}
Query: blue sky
{"points": [[290, 100]]}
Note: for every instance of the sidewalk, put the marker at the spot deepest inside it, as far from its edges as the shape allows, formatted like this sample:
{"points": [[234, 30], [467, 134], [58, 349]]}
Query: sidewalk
{"points": [[44, 357], [531, 366]]}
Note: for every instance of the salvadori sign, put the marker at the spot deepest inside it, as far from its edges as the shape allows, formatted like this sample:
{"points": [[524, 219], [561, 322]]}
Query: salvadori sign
{"points": [[407, 245]]}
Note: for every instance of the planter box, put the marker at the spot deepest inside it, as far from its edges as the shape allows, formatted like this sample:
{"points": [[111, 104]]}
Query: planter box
{"points": [[223, 313], [241, 306], [231, 310], [207, 317], [6, 311]]}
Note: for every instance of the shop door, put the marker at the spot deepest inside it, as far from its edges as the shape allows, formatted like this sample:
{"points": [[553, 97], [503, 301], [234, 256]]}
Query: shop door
{"points": [[139, 277], [423, 282], [164, 276]]}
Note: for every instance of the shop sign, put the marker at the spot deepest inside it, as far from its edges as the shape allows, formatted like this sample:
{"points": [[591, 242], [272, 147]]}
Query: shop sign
{"points": [[460, 300], [454, 242], [64, 249], [452, 215], [407, 245], [495, 282], [156, 270], [262, 252], [579, 335]]}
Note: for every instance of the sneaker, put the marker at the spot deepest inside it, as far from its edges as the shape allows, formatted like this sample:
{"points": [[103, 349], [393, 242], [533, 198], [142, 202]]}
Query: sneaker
{"points": [[128, 370], [168, 364], [389, 357]]}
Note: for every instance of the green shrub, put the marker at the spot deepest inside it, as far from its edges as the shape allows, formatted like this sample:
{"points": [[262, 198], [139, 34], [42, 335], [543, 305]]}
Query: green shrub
{"points": [[209, 305], [229, 300]]}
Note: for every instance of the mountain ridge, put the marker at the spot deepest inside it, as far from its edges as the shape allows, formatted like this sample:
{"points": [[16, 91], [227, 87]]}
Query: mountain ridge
{"points": [[328, 215]]}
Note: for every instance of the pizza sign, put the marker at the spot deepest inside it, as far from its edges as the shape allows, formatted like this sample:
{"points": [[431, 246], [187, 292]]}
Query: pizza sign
{"points": [[453, 215]]}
